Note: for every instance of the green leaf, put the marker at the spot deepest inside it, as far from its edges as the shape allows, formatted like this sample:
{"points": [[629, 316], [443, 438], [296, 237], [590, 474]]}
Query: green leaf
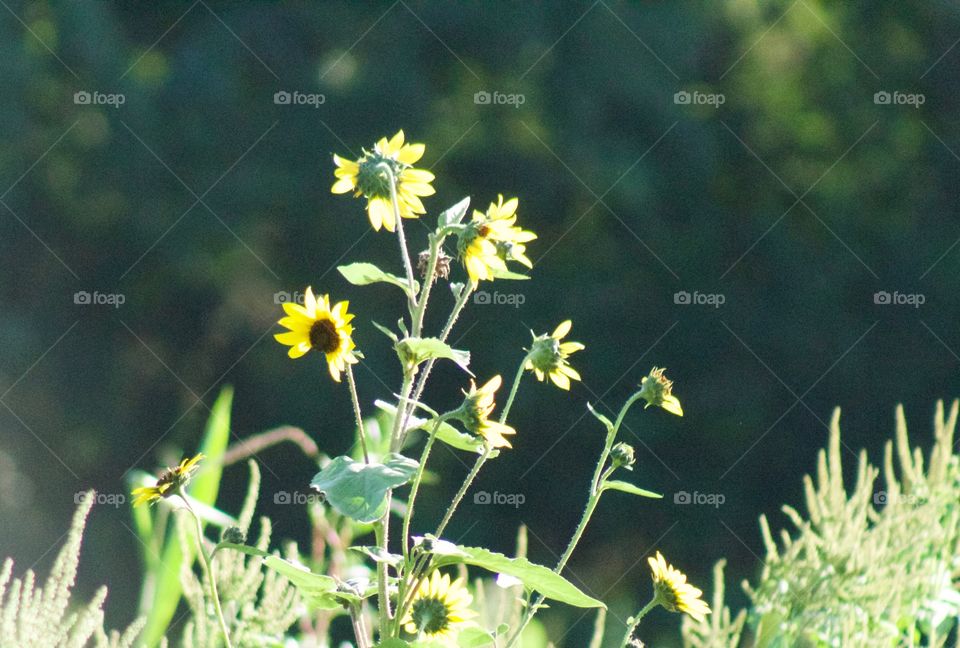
{"points": [[378, 555], [475, 638], [447, 433], [319, 590], [414, 350], [508, 274], [359, 490], [600, 417], [626, 487], [363, 274], [454, 214], [160, 604], [535, 577], [393, 643], [383, 329]]}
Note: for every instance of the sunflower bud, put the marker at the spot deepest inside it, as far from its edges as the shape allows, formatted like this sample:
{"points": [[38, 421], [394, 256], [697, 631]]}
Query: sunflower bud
{"points": [[234, 535], [623, 455]]}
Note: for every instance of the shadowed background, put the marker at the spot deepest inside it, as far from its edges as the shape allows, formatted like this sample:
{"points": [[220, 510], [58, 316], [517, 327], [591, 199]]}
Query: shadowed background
{"points": [[794, 201]]}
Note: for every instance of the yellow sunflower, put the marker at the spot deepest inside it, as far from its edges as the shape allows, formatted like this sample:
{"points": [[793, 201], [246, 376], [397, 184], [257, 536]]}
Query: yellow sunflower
{"points": [[317, 325], [658, 391], [476, 410], [168, 483], [673, 592], [370, 177], [491, 239], [548, 357], [439, 607]]}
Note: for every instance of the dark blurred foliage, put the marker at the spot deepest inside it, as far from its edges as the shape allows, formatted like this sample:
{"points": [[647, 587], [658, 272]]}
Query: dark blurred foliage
{"points": [[199, 198]]}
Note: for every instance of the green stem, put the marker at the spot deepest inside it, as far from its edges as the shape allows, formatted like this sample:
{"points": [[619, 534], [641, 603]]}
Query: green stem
{"points": [[383, 598], [422, 381], [435, 243], [359, 631], [356, 412], [415, 488], [401, 237], [208, 568], [482, 459], [634, 621], [513, 391]]}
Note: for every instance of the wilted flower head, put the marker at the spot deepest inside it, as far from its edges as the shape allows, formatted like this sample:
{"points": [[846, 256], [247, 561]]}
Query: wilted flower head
{"points": [[169, 482], [673, 592], [657, 390], [440, 271], [476, 410], [370, 177], [548, 357], [318, 325], [491, 239]]}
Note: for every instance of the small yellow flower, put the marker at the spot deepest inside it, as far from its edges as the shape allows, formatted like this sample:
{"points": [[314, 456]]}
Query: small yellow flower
{"points": [[548, 357], [657, 390], [317, 325], [673, 592], [369, 177], [169, 482], [439, 608], [491, 239], [476, 410]]}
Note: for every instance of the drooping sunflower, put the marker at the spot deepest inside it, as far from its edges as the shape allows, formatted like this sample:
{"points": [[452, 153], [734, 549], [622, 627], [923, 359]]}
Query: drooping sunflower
{"points": [[370, 177], [673, 592], [317, 325], [491, 239], [439, 608], [169, 482], [548, 357], [658, 391], [475, 414]]}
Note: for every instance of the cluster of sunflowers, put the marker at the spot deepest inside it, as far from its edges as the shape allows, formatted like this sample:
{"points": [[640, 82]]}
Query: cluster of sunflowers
{"points": [[416, 602]]}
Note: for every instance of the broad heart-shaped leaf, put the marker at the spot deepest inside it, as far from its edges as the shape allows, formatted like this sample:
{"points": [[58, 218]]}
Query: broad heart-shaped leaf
{"points": [[359, 490], [446, 433], [414, 350], [363, 274], [535, 577], [626, 487], [319, 590], [454, 214]]}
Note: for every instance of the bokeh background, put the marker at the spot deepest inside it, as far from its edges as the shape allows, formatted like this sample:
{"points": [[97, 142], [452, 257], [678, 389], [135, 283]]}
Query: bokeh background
{"points": [[785, 187]]}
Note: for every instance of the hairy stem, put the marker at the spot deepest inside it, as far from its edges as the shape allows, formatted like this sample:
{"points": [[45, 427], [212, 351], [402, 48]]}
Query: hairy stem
{"points": [[357, 413], [635, 620]]}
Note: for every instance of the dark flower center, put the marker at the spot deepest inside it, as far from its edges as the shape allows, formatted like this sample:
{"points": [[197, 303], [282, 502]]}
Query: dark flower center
{"points": [[324, 336], [430, 615]]}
